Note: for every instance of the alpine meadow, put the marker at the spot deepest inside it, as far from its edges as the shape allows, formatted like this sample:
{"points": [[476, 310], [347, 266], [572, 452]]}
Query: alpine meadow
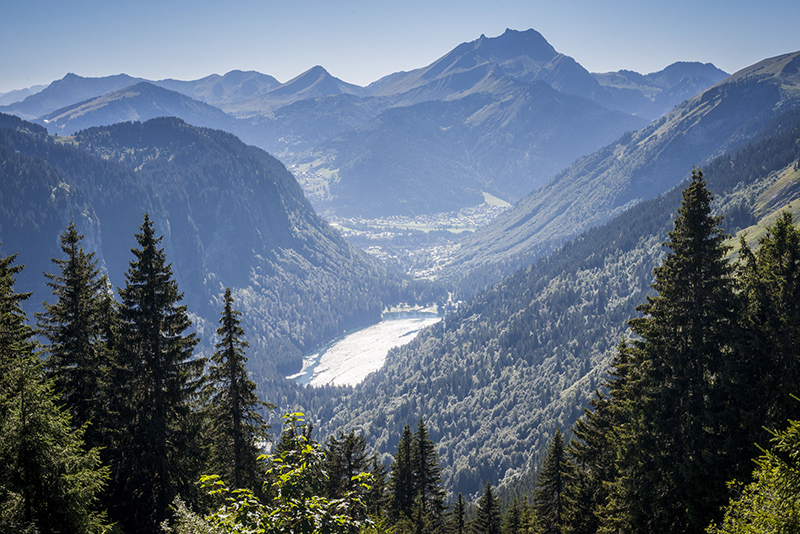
{"points": [[599, 274]]}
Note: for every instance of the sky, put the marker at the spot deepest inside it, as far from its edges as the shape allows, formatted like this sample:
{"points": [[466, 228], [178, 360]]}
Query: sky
{"points": [[360, 41]]}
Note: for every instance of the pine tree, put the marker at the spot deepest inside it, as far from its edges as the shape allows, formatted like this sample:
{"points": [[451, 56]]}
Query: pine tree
{"points": [[551, 486], [771, 281], [594, 448], [76, 356], [156, 389], [513, 522], [459, 513], [487, 518], [401, 478], [236, 424], [49, 482], [345, 457], [427, 477], [675, 444]]}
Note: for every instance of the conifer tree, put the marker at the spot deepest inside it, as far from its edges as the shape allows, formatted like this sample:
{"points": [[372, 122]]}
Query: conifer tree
{"points": [[487, 518], [401, 478], [427, 476], [236, 423], [76, 355], [345, 457], [594, 448], [676, 447], [513, 520], [156, 391], [551, 486], [49, 482], [771, 281], [459, 513]]}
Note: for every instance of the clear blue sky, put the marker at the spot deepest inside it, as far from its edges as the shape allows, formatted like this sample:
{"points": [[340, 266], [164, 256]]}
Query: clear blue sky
{"points": [[360, 41]]}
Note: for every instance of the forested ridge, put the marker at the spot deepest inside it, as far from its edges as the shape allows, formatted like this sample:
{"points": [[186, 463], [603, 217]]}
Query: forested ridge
{"points": [[496, 378], [231, 215], [712, 365], [700, 361]]}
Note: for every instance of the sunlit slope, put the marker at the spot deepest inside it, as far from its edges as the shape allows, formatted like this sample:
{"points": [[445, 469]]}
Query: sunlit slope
{"points": [[636, 167]]}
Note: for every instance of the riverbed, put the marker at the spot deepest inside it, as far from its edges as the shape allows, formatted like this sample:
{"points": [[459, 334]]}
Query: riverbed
{"points": [[347, 360]]}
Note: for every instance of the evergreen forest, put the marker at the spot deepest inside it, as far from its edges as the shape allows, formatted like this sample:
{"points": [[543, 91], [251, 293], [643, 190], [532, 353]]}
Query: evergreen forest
{"points": [[159, 281], [112, 422]]}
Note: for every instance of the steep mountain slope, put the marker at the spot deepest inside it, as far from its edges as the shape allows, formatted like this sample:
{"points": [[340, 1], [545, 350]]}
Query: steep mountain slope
{"points": [[439, 156], [231, 215], [138, 102], [298, 127], [637, 166], [67, 91], [496, 378], [526, 56], [652, 95]]}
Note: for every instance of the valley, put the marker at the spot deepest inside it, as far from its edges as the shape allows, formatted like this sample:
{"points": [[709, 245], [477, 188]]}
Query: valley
{"points": [[348, 359], [504, 185]]}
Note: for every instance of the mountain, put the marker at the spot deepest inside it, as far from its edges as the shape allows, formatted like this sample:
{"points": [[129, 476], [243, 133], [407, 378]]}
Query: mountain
{"points": [[440, 155], [216, 89], [652, 95], [67, 91], [231, 215], [139, 102], [496, 378], [17, 95], [525, 56], [637, 166], [313, 83]]}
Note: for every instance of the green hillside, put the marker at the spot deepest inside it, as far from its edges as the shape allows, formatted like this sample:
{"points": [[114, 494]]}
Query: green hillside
{"points": [[496, 378]]}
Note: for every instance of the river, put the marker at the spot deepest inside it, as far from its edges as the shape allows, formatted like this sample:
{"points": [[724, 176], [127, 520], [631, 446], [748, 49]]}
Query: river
{"points": [[348, 359]]}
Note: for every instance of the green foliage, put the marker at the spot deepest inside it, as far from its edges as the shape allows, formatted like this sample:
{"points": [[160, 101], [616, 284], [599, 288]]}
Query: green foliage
{"points": [[552, 481], [345, 458], [415, 486], [77, 356], [771, 503], [296, 479], [487, 520], [236, 425], [155, 389], [771, 283], [50, 482]]}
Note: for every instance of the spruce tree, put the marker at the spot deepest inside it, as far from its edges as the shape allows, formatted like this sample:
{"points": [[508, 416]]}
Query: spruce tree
{"points": [[459, 513], [513, 520], [401, 478], [49, 481], [487, 518], [771, 282], [675, 444], [345, 457], [551, 486], [157, 382], [236, 424], [427, 476], [76, 355], [594, 449]]}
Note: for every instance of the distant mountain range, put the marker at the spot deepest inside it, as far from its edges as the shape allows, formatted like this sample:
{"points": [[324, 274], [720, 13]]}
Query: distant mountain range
{"points": [[637, 166], [499, 115]]}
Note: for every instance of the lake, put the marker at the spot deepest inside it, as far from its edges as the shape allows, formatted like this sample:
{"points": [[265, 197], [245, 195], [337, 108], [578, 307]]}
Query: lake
{"points": [[348, 359]]}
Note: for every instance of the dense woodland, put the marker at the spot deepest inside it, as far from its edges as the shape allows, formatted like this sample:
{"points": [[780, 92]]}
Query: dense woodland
{"points": [[624, 383], [114, 421], [497, 377]]}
